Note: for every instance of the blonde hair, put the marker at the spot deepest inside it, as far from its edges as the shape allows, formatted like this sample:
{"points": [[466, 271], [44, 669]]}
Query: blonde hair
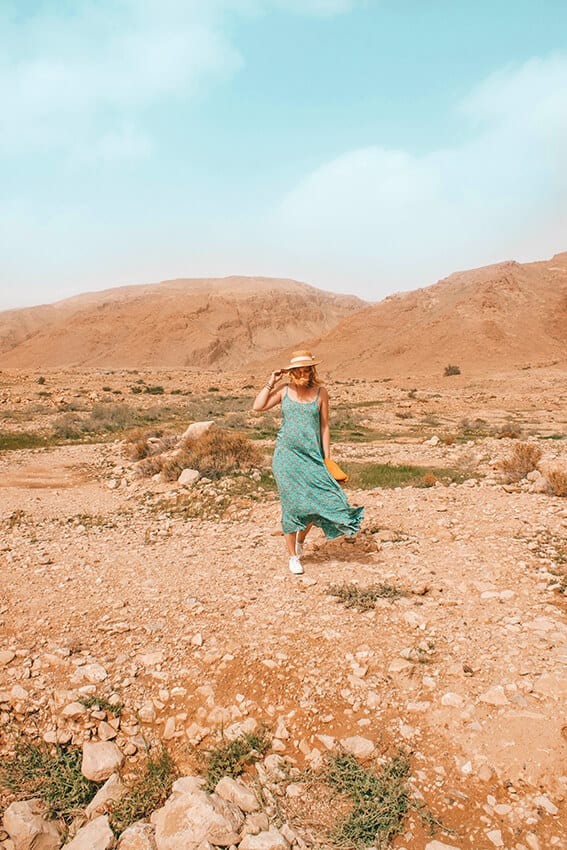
{"points": [[314, 380]]}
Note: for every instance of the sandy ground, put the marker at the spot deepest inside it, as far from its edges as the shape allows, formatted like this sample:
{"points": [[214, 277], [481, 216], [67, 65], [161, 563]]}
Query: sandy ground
{"points": [[197, 623]]}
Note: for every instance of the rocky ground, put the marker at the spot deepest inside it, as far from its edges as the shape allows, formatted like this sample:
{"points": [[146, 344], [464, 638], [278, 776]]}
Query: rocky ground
{"points": [[196, 623]]}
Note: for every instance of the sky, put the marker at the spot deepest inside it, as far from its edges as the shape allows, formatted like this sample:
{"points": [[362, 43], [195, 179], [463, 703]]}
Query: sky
{"points": [[362, 146]]}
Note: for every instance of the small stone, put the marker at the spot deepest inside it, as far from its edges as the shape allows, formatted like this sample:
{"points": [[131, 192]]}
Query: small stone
{"points": [[295, 789], [196, 430], [92, 673], [545, 803], [6, 655], [237, 793], [439, 845], [105, 731], [188, 476], [453, 700], [495, 836], [270, 840], [494, 696], [100, 760], [197, 640], [73, 710], [169, 729], [357, 746], [96, 835], [139, 836]]}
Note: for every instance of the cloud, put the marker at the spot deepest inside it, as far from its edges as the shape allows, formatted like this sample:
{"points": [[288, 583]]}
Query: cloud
{"points": [[70, 73], [408, 219]]}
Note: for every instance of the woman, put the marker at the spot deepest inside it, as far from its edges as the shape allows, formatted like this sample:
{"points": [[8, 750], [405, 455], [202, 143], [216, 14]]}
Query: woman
{"points": [[309, 495]]}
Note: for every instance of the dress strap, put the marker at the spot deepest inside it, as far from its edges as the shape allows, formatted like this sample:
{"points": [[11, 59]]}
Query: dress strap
{"points": [[318, 391], [286, 390]]}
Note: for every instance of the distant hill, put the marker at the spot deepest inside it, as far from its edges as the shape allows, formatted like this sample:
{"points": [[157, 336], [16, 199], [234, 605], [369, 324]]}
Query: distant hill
{"points": [[500, 317], [199, 323]]}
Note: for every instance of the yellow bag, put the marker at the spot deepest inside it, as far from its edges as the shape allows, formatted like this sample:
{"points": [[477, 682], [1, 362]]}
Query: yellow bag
{"points": [[335, 470]]}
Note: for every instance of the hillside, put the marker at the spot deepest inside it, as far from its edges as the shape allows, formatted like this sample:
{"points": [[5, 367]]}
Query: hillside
{"points": [[505, 316], [181, 323]]}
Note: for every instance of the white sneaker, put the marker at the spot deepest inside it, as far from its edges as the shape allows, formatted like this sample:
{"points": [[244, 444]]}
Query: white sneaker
{"points": [[298, 546], [295, 565]]}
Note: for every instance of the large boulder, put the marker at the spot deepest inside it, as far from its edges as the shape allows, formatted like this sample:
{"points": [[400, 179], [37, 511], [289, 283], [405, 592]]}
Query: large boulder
{"points": [[188, 820], [237, 793], [27, 828]]}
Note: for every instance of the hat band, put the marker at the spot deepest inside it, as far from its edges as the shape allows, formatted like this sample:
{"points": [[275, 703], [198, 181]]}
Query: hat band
{"points": [[302, 360]]}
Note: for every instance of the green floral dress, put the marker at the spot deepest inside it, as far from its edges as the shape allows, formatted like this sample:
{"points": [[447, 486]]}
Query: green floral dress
{"points": [[308, 493]]}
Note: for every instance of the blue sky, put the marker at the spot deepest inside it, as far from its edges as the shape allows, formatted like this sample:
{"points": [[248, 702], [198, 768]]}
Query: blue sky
{"points": [[364, 147]]}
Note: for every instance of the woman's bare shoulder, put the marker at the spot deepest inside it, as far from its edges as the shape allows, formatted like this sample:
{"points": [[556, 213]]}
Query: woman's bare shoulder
{"points": [[323, 392]]}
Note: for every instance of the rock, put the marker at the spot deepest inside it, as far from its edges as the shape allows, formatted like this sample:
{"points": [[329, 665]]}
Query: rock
{"points": [[188, 820], [357, 746], [92, 673], [100, 760], [399, 665], [494, 696], [270, 840], [543, 802], [27, 828], [237, 793], [96, 835], [189, 476], [196, 430], [105, 731], [187, 785], [113, 789], [139, 836], [6, 656], [74, 710], [495, 837], [552, 685], [454, 700], [256, 823], [438, 845]]}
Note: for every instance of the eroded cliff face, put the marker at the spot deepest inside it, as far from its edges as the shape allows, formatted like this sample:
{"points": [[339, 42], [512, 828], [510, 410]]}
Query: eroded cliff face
{"points": [[196, 323]]}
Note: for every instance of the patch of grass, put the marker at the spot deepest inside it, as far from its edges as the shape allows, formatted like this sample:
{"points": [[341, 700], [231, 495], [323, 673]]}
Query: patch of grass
{"points": [[101, 704], [230, 758], [52, 774], [147, 792], [16, 440], [154, 390], [364, 598], [380, 800], [369, 476]]}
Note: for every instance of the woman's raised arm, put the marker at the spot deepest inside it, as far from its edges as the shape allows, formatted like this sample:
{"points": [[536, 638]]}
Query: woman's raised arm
{"points": [[268, 396]]}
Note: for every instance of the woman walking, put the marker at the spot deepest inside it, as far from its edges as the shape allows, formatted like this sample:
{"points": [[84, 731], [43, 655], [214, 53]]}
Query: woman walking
{"points": [[309, 495]]}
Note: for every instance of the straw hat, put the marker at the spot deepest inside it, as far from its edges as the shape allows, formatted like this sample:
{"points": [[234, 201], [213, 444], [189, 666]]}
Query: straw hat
{"points": [[299, 359]]}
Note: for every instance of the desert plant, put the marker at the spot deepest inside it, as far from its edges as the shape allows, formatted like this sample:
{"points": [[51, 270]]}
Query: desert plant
{"points": [[53, 775], [41, 380], [380, 800], [215, 454], [452, 370], [557, 479], [229, 758], [523, 459], [147, 791], [364, 598]]}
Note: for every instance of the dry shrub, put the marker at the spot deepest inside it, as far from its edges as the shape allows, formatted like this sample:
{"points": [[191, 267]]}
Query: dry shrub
{"points": [[524, 458], [429, 480], [557, 479], [214, 454]]}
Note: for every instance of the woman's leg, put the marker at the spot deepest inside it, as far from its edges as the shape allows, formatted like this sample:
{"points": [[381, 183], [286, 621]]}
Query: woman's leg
{"points": [[290, 543], [303, 534]]}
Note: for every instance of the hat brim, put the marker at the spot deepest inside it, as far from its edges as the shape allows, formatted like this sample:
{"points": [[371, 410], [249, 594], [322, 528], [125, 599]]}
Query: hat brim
{"points": [[291, 366]]}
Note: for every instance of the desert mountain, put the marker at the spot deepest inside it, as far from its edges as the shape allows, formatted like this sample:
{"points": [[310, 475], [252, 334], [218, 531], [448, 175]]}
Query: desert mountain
{"points": [[200, 323], [500, 317]]}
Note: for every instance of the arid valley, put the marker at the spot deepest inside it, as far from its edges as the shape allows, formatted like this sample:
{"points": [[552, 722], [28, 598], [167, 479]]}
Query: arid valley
{"points": [[437, 637]]}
